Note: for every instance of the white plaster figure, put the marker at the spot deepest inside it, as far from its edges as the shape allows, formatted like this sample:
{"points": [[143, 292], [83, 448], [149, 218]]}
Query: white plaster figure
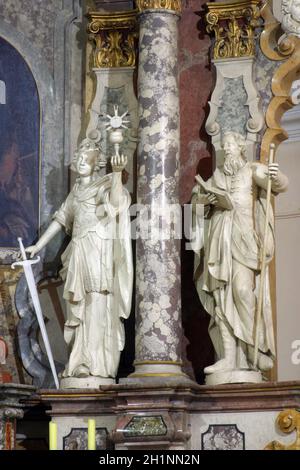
{"points": [[97, 267], [227, 266]]}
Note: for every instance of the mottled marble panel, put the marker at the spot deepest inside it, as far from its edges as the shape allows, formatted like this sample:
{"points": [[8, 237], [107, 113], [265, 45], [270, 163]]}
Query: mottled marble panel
{"points": [[72, 427], [258, 427], [146, 426], [264, 70], [77, 439], [233, 113], [223, 437]]}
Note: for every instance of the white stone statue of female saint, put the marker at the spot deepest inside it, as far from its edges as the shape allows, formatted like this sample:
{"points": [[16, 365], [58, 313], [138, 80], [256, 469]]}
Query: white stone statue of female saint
{"points": [[97, 268], [228, 262]]}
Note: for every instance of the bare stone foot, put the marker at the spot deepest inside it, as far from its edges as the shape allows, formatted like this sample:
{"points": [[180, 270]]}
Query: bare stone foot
{"points": [[81, 371]]}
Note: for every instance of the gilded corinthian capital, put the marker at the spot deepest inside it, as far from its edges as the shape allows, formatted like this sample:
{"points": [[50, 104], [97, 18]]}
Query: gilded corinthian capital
{"points": [[234, 27], [174, 5], [114, 36]]}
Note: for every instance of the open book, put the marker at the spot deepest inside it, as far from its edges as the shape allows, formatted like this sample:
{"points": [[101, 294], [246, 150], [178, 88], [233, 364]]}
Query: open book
{"points": [[223, 197]]}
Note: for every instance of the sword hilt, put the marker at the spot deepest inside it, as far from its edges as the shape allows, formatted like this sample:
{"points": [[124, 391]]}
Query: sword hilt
{"points": [[26, 262]]}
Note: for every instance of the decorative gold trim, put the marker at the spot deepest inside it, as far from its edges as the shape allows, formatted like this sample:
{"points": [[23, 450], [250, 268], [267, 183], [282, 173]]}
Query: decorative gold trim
{"points": [[173, 5], [288, 51], [234, 27], [176, 363], [115, 20], [115, 38], [287, 421]]}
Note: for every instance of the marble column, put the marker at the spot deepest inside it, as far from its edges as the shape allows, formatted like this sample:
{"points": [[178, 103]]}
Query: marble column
{"points": [[158, 296]]}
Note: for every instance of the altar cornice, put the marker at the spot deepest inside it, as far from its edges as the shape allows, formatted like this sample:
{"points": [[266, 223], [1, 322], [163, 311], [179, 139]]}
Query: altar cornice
{"points": [[195, 398]]}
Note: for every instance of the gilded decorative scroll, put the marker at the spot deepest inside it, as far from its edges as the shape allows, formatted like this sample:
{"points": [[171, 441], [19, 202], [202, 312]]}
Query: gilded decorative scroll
{"points": [[287, 422], [174, 5], [286, 48], [233, 25], [114, 36]]}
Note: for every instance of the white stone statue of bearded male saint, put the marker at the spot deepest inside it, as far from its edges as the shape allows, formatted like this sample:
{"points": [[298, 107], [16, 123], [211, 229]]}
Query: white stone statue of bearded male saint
{"points": [[228, 264], [97, 268]]}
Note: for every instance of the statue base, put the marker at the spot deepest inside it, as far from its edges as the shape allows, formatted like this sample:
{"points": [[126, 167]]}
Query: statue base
{"points": [[237, 376], [85, 382]]}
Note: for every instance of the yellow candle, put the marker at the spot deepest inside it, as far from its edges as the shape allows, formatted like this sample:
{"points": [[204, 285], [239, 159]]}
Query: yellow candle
{"points": [[91, 434], [52, 436]]}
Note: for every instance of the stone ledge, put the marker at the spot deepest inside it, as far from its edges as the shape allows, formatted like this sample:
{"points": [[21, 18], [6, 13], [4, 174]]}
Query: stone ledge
{"points": [[193, 397], [11, 394]]}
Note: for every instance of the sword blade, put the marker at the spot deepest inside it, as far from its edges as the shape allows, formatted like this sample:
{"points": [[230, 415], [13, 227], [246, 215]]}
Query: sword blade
{"points": [[39, 314]]}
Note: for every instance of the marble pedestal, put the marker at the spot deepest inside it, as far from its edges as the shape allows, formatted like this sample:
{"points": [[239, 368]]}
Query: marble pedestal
{"points": [[71, 409], [85, 382], [177, 416], [11, 409], [237, 376]]}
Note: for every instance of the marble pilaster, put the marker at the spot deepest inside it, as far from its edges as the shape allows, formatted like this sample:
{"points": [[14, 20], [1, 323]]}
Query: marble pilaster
{"points": [[113, 36], [158, 299], [10, 410], [115, 86], [234, 48]]}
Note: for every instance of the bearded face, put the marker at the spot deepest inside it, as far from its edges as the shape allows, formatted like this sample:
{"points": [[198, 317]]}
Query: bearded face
{"points": [[234, 159]]}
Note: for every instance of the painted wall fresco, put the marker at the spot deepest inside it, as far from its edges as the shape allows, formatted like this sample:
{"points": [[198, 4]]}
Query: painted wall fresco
{"points": [[196, 84], [19, 149]]}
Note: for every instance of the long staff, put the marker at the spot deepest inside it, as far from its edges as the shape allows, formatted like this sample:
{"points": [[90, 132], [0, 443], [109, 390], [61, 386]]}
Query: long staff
{"points": [[263, 260]]}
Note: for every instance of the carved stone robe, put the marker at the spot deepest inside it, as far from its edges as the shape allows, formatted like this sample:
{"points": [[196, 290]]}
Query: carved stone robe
{"points": [[229, 235], [98, 274]]}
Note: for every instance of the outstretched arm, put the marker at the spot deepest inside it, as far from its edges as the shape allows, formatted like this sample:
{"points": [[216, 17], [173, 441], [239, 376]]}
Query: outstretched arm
{"points": [[118, 163], [54, 228]]}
